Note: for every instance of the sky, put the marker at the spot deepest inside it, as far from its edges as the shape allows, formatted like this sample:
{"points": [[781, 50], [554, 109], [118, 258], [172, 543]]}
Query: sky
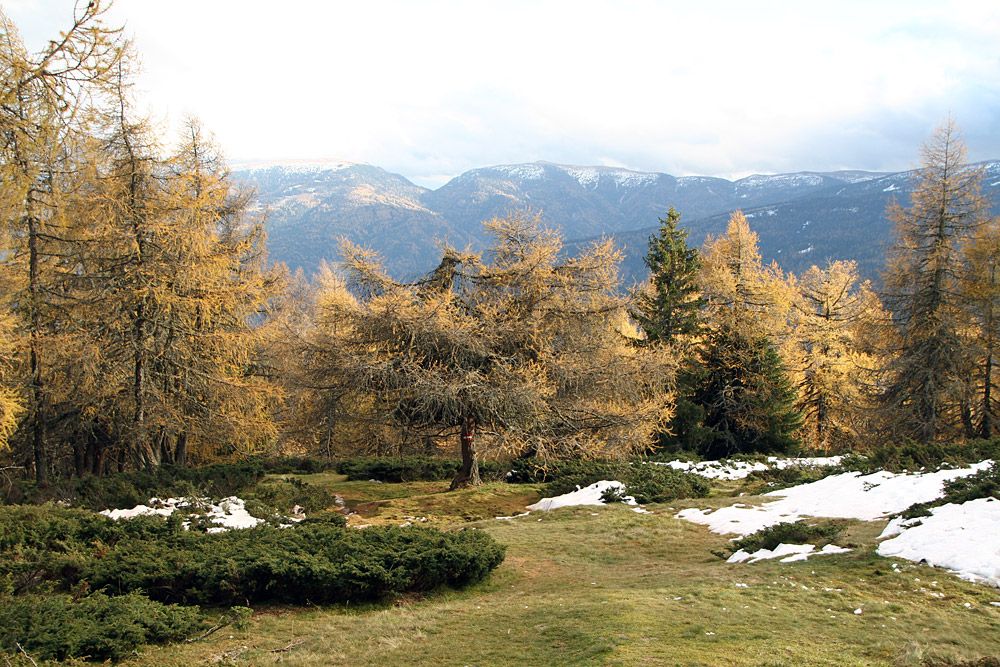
{"points": [[432, 88]]}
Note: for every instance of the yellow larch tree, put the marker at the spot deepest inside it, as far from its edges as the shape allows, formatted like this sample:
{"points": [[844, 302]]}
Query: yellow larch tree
{"points": [[927, 391], [523, 353], [981, 296], [835, 371], [41, 98]]}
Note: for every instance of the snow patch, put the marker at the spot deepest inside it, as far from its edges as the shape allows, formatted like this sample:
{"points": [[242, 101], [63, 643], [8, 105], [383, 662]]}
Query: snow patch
{"points": [[896, 526], [588, 495], [788, 553], [732, 470], [846, 496], [788, 180], [526, 172], [892, 188], [293, 166], [963, 538], [229, 514], [589, 177]]}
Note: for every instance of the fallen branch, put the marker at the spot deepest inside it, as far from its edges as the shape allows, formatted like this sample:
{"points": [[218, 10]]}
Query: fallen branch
{"points": [[208, 633], [283, 649], [21, 649], [235, 615]]}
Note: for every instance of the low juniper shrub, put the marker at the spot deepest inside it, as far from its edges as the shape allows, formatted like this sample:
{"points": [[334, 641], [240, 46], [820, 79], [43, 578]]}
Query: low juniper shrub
{"points": [[797, 532], [95, 627]]}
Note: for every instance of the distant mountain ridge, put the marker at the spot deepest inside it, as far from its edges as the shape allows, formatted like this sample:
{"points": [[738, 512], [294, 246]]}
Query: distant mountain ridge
{"points": [[802, 218]]}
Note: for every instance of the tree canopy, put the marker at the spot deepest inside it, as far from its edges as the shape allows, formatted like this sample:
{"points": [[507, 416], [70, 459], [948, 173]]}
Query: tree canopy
{"points": [[522, 350]]}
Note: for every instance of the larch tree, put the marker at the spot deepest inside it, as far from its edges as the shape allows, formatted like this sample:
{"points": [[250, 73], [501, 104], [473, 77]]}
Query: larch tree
{"points": [[928, 377], [836, 373], [207, 339], [11, 404], [981, 296], [524, 353], [175, 286], [745, 393], [308, 344], [41, 97]]}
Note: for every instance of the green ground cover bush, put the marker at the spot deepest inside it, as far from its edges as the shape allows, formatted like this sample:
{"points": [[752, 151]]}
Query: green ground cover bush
{"points": [[96, 627], [789, 533], [983, 484], [646, 482], [910, 456], [275, 499], [782, 478], [132, 488], [318, 561], [297, 465]]}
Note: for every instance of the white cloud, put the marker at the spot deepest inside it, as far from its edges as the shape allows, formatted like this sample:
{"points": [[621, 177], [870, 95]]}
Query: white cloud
{"points": [[432, 88]]}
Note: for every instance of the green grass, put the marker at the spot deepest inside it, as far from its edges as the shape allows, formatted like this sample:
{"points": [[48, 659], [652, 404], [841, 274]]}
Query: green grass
{"points": [[607, 586]]}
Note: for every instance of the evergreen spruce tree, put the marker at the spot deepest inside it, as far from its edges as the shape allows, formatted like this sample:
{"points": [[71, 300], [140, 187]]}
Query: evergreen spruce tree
{"points": [[668, 308], [746, 396]]}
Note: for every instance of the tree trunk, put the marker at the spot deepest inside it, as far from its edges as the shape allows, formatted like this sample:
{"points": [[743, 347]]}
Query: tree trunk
{"points": [[986, 423], [468, 474], [91, 457], [166, 452], [38, 396], [180, 451], [821, 435], [79, 457], [331, 420], [965, 405]]}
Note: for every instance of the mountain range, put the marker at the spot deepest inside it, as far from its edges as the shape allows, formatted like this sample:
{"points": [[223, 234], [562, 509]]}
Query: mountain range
{"points": [[802, 218]]}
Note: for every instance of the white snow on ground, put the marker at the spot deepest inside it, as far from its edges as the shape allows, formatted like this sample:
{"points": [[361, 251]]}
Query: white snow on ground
{"points": [[229, 514], [741, 469], [717, 469], [588, 495], [896, 526], [788, 553], [962, 538], [848, 496], [814, 461]]}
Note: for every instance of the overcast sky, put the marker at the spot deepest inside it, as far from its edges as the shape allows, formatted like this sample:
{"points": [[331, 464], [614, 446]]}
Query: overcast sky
{"points": [[431, 88]]}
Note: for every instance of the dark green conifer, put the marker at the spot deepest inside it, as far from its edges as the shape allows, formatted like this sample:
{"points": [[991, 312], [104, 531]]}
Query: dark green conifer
{"points": [[669, 308]]}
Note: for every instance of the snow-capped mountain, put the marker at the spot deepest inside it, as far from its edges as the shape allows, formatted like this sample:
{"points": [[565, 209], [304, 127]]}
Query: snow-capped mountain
{"points": [[802, 218], [310, 207]]}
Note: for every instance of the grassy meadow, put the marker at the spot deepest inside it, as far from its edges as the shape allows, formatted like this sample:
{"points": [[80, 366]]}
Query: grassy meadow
{"points": [[608, 586]]}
